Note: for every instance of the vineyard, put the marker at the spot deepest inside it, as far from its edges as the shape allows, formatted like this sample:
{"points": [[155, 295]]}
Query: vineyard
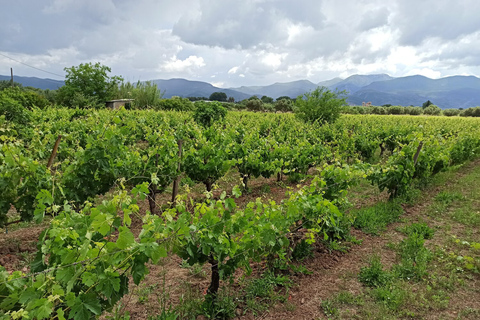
{"points": [[86, 175]]}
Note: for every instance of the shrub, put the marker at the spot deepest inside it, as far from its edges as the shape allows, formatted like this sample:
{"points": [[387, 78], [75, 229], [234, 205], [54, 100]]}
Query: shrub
{"points": [[432, 110], [14, 111], [414, 111], [395, 110], [254, 105], [175, 104], [451, 112], [320, 105], [206, 113], [471, 112], [284, 105], [27, 98]]}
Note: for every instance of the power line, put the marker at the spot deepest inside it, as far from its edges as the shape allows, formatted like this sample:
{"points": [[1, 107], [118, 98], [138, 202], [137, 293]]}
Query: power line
{"points": [[55, 74]]}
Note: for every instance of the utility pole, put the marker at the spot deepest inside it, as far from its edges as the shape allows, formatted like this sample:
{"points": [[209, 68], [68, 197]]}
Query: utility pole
{"points": [[11, 74]]}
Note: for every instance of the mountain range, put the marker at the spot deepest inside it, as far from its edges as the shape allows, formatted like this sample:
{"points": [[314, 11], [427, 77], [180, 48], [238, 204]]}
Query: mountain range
{"points": [[379, 89]]}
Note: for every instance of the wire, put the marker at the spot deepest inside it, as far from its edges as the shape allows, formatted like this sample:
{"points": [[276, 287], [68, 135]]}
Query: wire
{"points": [[55, 74]]}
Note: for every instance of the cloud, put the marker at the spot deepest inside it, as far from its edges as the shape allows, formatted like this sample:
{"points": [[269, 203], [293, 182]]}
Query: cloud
{"points": [[177, 65], [253, 42]]}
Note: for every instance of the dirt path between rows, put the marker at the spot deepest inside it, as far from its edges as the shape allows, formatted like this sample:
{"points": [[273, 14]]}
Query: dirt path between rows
{"points": [[333, 272]]}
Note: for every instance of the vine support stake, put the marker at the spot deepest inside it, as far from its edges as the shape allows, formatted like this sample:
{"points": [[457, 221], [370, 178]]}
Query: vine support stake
{"points": [[415, 158], [54, 152], [176, 182]]}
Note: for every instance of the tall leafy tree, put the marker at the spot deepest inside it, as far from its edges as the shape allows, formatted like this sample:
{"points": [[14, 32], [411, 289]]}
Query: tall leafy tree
{"points": [[320, 105], [88, 83]]}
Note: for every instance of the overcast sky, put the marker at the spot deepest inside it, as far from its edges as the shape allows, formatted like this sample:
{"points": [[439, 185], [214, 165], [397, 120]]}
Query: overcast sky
{"points": [[250, 42]]}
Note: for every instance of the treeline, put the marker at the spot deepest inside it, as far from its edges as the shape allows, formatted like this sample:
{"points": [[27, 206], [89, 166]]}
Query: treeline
{"points": [[432, 110]]}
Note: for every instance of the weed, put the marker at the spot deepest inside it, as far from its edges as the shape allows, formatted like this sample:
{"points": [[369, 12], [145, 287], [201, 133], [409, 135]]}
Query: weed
{"points": [[375, 219], [329, 308], [302, 251], [374, 275], [414, 258], [446, 197], [392, 296], [420, 228], [143, 293]]}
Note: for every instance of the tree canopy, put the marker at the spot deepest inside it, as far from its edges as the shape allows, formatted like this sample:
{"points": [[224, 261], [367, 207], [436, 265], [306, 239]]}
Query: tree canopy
{"points": [[320, 105], [88, 83]]}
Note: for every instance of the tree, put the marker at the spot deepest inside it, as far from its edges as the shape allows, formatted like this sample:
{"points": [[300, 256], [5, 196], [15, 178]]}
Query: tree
{"points": [[206, 113], [432, 110], [284, 98], [89, 81], [321, 105], [284, 105], [218, 96], [426, 104], [266, 99], [254, 105]]}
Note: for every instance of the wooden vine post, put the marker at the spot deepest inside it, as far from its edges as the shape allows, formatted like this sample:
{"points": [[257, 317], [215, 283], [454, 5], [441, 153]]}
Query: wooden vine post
{"points": [[176, 182]]}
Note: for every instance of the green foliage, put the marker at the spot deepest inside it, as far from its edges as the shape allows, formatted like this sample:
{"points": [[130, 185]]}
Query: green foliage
{"points": [[432, 110], [471, 112], [426, 104], [254, 105], [321, 105], [414, 258], [451, 112], [29, 99], [145, 94], [374, 275], [421, 229], [218, 96], [376, 218], [207, 113], [266, 99], [284, 105], [302, 250], [91, 81], [14, 111], [413, 111], [175, 104], [21, 180], [82, 267]]}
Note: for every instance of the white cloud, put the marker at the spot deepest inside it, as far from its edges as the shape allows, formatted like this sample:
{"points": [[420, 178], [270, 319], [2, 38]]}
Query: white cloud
{"points": [[178, 65]]}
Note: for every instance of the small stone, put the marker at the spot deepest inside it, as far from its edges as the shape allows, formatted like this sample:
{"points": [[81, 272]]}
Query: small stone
{"points": [[302, 301]]}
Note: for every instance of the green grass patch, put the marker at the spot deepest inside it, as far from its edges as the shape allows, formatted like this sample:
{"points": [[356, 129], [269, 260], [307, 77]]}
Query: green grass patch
{"points": [[375, 219]]}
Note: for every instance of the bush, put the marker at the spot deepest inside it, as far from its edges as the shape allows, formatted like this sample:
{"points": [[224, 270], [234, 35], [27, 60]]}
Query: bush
{"points": [[206, 113], [451, 112], [144, 94], [27, 98], [254, 105], [14, 111], [395, 110], [432, 110], [321, 105], [175, 104], [414, 111], [284, 105], [471, 112]]}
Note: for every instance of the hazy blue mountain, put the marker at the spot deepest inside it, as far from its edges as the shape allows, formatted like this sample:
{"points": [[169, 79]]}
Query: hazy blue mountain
{"points": [[187, 88], [36, 82], [448, 92], [356, 82], [292, 89], [329, 83]]}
